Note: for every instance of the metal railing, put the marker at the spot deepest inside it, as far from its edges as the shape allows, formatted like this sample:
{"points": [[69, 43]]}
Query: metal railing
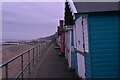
{"points": [[33, 57]]}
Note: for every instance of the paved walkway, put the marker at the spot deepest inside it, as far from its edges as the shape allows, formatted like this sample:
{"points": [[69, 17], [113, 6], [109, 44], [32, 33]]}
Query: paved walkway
{"points": [[52, 65]]}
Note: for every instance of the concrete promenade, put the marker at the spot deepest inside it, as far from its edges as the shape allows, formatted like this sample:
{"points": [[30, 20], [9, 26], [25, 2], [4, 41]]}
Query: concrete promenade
{"points": [[51, 65]]}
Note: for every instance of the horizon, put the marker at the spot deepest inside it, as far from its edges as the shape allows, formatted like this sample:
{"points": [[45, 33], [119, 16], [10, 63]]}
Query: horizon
{"points": [[4, 39]]}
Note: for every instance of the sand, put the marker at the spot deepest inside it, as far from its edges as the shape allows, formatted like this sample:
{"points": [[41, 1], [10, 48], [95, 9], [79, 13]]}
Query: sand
{"points": [[10, 52], [13, 51]]}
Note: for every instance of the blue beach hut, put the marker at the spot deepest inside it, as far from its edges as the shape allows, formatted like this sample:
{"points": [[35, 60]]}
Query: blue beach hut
{"points": [[96, 28]]}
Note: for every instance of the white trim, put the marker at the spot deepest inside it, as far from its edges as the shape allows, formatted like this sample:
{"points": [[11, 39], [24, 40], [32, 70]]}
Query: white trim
{"points": [[72, 6], [69, 48], [86, 40], [69, 28], [70, 52]]}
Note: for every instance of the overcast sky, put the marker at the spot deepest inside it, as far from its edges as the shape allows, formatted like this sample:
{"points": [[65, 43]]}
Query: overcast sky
{"points": [[30, 20]]}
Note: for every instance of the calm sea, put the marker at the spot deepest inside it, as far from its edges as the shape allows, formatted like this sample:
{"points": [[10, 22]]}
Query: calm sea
{"points": [[6, 40]]}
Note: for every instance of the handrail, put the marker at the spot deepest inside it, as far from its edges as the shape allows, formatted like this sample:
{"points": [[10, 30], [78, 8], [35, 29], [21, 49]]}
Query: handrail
{"points": [[12, 59], [23, 67], [18, 56]]}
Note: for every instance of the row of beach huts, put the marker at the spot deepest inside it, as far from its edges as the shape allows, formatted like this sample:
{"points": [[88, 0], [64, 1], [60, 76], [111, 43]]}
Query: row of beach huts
{"points": [[88, 37]]}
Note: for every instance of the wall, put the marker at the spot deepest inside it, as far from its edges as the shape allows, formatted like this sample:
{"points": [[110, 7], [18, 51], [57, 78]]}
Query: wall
{"points": [[103, 41]]}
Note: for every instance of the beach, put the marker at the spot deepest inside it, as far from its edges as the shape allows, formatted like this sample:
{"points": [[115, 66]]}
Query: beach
{"points": [[11, 51]]}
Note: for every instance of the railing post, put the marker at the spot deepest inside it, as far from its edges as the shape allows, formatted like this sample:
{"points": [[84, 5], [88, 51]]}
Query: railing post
{"points": [[40, 50], [33, 56], [6, 70], [29, 60], [22, 66], [37, 53], [41, 47], [44, 46]]}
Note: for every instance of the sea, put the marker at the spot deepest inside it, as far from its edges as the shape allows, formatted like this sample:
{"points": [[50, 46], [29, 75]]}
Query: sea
{"points": [[3, 47], [12, 40]]}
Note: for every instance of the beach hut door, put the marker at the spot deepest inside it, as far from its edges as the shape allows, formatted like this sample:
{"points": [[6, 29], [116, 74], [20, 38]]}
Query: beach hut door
{"points": [[80, 48], [69, 48]]}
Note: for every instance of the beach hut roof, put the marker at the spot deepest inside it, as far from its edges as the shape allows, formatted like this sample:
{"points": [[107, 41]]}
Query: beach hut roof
{"points": [[83, 7]]}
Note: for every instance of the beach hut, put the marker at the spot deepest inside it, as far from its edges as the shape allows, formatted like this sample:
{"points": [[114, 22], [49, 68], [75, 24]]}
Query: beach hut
{"points": [[96, 27], [69, 46], [61, 37], [70, 52], [66, 45], [63, 43]]}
